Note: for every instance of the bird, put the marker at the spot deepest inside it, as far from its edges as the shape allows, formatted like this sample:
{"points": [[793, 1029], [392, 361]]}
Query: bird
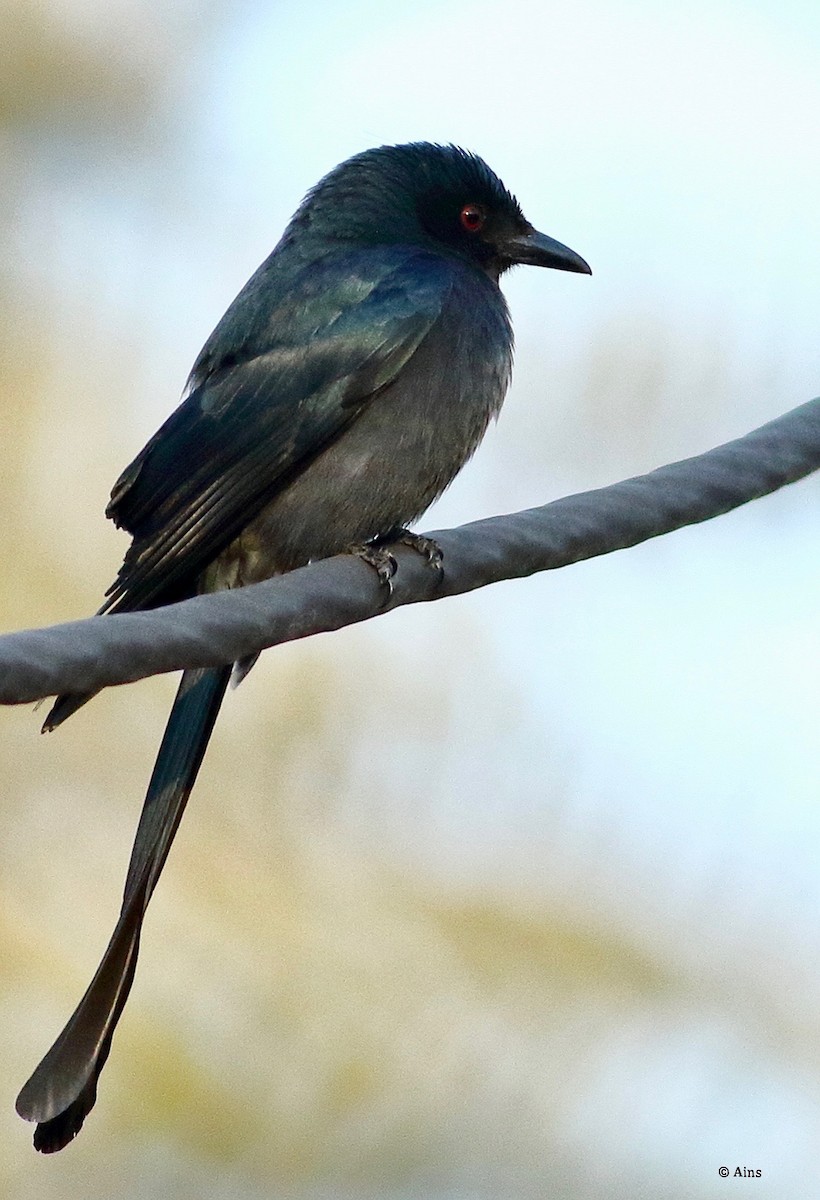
{"points": [[343, 389]]}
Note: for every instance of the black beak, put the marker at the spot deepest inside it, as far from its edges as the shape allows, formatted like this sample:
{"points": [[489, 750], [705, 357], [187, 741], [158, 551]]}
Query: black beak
{"points": [[537, 250]]}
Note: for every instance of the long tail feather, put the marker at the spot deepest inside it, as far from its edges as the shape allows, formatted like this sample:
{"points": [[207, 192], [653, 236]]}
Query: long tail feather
{"points": [[63, 1089], [64, 707]]}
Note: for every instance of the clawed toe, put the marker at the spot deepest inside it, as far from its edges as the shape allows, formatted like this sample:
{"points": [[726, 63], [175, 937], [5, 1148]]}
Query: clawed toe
{"points": [[378, 556], [381, 560], [425, 546]]}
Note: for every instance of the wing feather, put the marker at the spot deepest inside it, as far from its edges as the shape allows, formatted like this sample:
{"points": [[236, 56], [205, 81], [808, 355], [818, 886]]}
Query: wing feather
{"points": [[259, 414]]}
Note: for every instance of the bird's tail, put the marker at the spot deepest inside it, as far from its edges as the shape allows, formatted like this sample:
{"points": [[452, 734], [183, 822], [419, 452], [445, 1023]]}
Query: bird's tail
{"points": [[64, 707], [63, 1089]]}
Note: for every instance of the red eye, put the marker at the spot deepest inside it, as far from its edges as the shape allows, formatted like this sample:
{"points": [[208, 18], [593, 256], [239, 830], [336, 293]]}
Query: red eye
{"points": [[472, 217]]}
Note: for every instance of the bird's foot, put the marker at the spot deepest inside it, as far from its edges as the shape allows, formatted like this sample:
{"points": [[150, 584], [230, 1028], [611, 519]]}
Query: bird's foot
{"points": [[425, 546], [381, 560], [377, 554]]}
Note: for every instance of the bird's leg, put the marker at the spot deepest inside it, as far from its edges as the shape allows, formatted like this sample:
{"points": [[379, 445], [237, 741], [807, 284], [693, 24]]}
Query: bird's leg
{"points": [[377, 554], [380, 559], [425, 546]]}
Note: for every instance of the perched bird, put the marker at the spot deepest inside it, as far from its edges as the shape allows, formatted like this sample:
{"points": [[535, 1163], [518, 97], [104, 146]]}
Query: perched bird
{"points": [[344, 388]]}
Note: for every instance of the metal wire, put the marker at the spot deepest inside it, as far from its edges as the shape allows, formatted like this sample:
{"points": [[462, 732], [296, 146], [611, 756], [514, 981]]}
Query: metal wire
{"points": [[84, 656]]}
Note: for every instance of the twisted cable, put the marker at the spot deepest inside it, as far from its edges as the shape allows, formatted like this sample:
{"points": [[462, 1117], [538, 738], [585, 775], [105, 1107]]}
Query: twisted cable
{"points": [[84, 656]]}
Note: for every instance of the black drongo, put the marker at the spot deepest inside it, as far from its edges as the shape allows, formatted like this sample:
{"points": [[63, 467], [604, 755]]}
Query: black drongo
{"points": [[347, 384]]}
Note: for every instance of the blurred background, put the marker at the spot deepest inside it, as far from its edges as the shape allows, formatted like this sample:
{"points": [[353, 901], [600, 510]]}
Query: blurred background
{"points": [[512, 895]]}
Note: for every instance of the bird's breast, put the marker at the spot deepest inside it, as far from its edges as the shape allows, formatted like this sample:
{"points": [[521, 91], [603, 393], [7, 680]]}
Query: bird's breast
{"points": [[399, 452]]}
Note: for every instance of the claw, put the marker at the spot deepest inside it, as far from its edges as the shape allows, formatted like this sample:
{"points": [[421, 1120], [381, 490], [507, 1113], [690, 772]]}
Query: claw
{"points": [[381, 560], [426, 546], [377, 554]]}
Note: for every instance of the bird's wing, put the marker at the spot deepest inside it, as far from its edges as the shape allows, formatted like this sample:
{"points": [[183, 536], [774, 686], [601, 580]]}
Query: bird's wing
{"points": [[262, 412]]}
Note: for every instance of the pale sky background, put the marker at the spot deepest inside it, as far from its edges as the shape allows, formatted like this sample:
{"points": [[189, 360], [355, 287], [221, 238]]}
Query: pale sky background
{"points": [[649, 763]]}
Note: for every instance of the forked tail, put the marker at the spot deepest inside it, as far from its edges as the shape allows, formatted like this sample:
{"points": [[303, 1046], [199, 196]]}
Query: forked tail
{"points": [[63, 1089]]}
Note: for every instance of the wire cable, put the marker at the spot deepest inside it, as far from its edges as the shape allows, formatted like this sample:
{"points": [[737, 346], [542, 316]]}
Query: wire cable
{"points": [[211, 630]]}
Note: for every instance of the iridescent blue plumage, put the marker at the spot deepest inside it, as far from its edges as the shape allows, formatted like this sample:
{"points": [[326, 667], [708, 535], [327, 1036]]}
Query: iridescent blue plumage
{"points": [[344, 388]]}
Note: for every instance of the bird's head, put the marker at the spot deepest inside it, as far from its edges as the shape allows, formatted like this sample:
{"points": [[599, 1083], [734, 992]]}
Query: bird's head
{"points": [[422, 193]]}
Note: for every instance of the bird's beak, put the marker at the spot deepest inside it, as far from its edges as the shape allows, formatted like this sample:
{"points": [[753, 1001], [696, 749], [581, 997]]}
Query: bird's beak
{"points": [[537, 250]]}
